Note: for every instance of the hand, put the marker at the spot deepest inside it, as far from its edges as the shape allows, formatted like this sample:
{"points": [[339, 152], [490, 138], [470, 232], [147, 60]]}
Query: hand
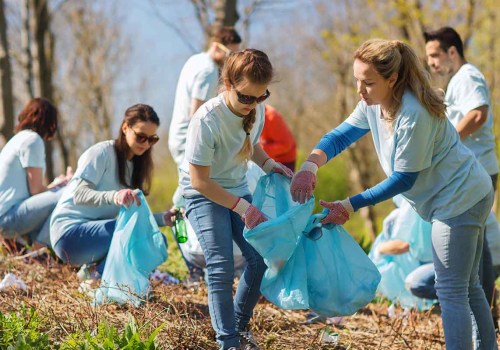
{"points": [[69, 173], [126, 197], [304, 182], [62, 180], [271, 166], [250, 215], [394, 247], [169, 216], [339, 211]]}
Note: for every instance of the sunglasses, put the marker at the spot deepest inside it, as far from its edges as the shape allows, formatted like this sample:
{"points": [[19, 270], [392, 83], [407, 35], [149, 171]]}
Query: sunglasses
{"points": [[248, 100], [142, 138]]}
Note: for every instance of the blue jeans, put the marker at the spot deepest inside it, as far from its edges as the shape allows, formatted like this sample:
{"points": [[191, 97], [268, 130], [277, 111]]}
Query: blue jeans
{"points": [[216, 227], [86, 243], [457, 246], [31, 216]]}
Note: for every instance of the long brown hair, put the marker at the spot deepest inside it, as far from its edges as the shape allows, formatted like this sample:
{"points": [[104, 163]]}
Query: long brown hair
{"points": [[143, 164], [253, 65], [40, 116], [389, 57]]}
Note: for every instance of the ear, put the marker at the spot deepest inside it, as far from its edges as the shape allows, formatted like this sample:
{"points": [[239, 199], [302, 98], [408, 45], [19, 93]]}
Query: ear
{"points": [[392, 79], [452, 51], [124, 128]]}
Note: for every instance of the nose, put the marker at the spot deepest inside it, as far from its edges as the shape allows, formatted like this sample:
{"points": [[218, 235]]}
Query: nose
{"points": [[360, 87]]}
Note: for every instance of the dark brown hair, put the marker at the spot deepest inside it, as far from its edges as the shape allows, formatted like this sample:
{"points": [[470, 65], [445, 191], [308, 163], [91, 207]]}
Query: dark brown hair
{"points": [[225, 36], [253, 65], [143, 164], [447, 38], [40, 116]]}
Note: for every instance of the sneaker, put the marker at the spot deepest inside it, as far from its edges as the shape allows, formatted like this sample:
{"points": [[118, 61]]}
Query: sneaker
{"points": [[313, 318], [88, 272], [247, 341]]}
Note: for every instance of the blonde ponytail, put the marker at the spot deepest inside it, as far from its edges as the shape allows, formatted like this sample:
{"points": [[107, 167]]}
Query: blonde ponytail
{"points": [[246, 150]]}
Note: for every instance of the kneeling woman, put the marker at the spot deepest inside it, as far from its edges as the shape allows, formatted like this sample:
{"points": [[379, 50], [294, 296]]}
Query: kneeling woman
{"points": [[25, 202], [84, 220]]}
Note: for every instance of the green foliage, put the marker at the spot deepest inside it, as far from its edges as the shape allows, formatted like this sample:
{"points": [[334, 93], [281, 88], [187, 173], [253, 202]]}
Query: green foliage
{"points": [[22, 330], [108, 338]]}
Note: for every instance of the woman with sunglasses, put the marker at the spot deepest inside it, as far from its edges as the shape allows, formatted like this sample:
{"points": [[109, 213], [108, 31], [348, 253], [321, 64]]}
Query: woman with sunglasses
{"points": [[25, 202], [222, 136], [424, 160], [108, 173]]}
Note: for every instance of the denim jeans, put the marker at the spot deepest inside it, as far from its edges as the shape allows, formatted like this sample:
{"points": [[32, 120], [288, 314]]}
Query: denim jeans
{"points": [[86, 243], [457, 246], [31, 216], [216, 227]]}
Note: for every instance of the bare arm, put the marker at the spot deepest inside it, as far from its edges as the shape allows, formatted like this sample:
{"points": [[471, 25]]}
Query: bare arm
{"points": [[201, 182], [318, 156], [35, 180], [195, 104], [393, 247], [259, 155], [472, 121]]}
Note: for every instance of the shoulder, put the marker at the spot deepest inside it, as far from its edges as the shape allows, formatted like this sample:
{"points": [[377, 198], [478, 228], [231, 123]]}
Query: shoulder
{"points": [[467, 74], [411, 109], [100, 150], [201, 63]]}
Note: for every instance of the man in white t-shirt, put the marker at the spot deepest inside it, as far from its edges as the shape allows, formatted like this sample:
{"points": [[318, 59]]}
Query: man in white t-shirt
{"points": [[469, 110], [198, 82]]}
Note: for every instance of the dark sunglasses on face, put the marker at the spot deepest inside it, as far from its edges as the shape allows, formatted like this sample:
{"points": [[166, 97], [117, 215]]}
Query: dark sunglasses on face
{"points": [[248, 100], [142, 138]]}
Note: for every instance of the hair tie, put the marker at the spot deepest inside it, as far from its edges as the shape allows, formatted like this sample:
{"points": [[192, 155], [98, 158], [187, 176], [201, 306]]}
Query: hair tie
{"points": [[248, 134]]}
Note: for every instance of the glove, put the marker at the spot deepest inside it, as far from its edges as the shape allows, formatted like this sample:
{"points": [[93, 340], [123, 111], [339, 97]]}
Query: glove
{"points": [[271, 166], [339, 211], [126, 198], [250, 215], [303, 182]]}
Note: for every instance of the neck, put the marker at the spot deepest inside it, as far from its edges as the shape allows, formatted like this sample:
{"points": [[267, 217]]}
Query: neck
{"points": [[458, 65], [130, 154]]}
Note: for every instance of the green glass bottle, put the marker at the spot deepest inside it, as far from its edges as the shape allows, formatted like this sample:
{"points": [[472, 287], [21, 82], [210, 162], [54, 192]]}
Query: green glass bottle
{"points": [[180, 228]]}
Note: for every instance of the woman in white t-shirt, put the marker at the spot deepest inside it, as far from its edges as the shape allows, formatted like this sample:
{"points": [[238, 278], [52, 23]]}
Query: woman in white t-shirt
{"points": [[25, 202], [84, 219], [424, 160], [222, 135]]}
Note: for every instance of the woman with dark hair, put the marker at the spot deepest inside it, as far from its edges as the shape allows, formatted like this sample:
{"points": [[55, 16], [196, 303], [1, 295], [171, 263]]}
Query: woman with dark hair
{"points": [[25, 202], [84, 220]]}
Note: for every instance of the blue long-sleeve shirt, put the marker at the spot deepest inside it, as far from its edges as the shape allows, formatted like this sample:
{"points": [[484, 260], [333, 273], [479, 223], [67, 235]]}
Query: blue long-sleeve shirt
{"points": [[338, 140]]}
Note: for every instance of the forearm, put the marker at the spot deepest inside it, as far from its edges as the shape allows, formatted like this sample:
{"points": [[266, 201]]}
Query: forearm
{"points": [[395, 184], [160, 219], [472, 121], [85, 194], [259, 155], [339, 139], [213, 191]]}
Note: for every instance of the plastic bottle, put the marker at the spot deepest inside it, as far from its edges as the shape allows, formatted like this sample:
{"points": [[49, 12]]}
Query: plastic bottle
{"points": [[180, 228]]}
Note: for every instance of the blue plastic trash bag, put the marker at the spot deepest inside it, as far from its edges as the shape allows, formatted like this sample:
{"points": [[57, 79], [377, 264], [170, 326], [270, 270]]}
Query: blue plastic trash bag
{"points": [[136, 249], [331, 275], [404, 224]]}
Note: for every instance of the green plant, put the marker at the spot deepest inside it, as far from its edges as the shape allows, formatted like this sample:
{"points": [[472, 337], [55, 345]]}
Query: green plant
{"points": [[22, 330], [108, 338]]}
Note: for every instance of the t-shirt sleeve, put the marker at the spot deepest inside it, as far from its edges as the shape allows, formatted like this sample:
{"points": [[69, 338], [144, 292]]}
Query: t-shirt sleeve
{"points": [[358, 117], [200, 146], [470, 93], [94, 164], [205, 85], [32, 152], [414, 141]]}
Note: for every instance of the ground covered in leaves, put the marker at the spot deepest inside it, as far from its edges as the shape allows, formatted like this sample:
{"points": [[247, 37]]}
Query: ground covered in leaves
{"points": [[183, 313]]}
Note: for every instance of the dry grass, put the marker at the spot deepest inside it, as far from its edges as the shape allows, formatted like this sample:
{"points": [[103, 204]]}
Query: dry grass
{"points": [[53, 293]]}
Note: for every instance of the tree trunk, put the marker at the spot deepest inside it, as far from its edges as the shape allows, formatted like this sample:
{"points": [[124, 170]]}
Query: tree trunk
{"points": [[226, 13], [7, 104], [27, 59]]}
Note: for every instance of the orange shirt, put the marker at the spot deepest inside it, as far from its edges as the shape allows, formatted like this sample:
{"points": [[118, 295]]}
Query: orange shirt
{"points": [[276, 138]]}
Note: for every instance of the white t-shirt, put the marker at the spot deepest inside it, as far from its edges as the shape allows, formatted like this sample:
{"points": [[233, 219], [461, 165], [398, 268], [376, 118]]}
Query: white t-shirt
{"points": [[99, 166], [198, 80], [25, 150], [215, 137], [450, 179], [466, 91]]}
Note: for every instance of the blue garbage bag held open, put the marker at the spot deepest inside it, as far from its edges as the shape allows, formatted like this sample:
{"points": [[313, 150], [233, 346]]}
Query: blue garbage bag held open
{"points": [[327, 272], [136, 249]]}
